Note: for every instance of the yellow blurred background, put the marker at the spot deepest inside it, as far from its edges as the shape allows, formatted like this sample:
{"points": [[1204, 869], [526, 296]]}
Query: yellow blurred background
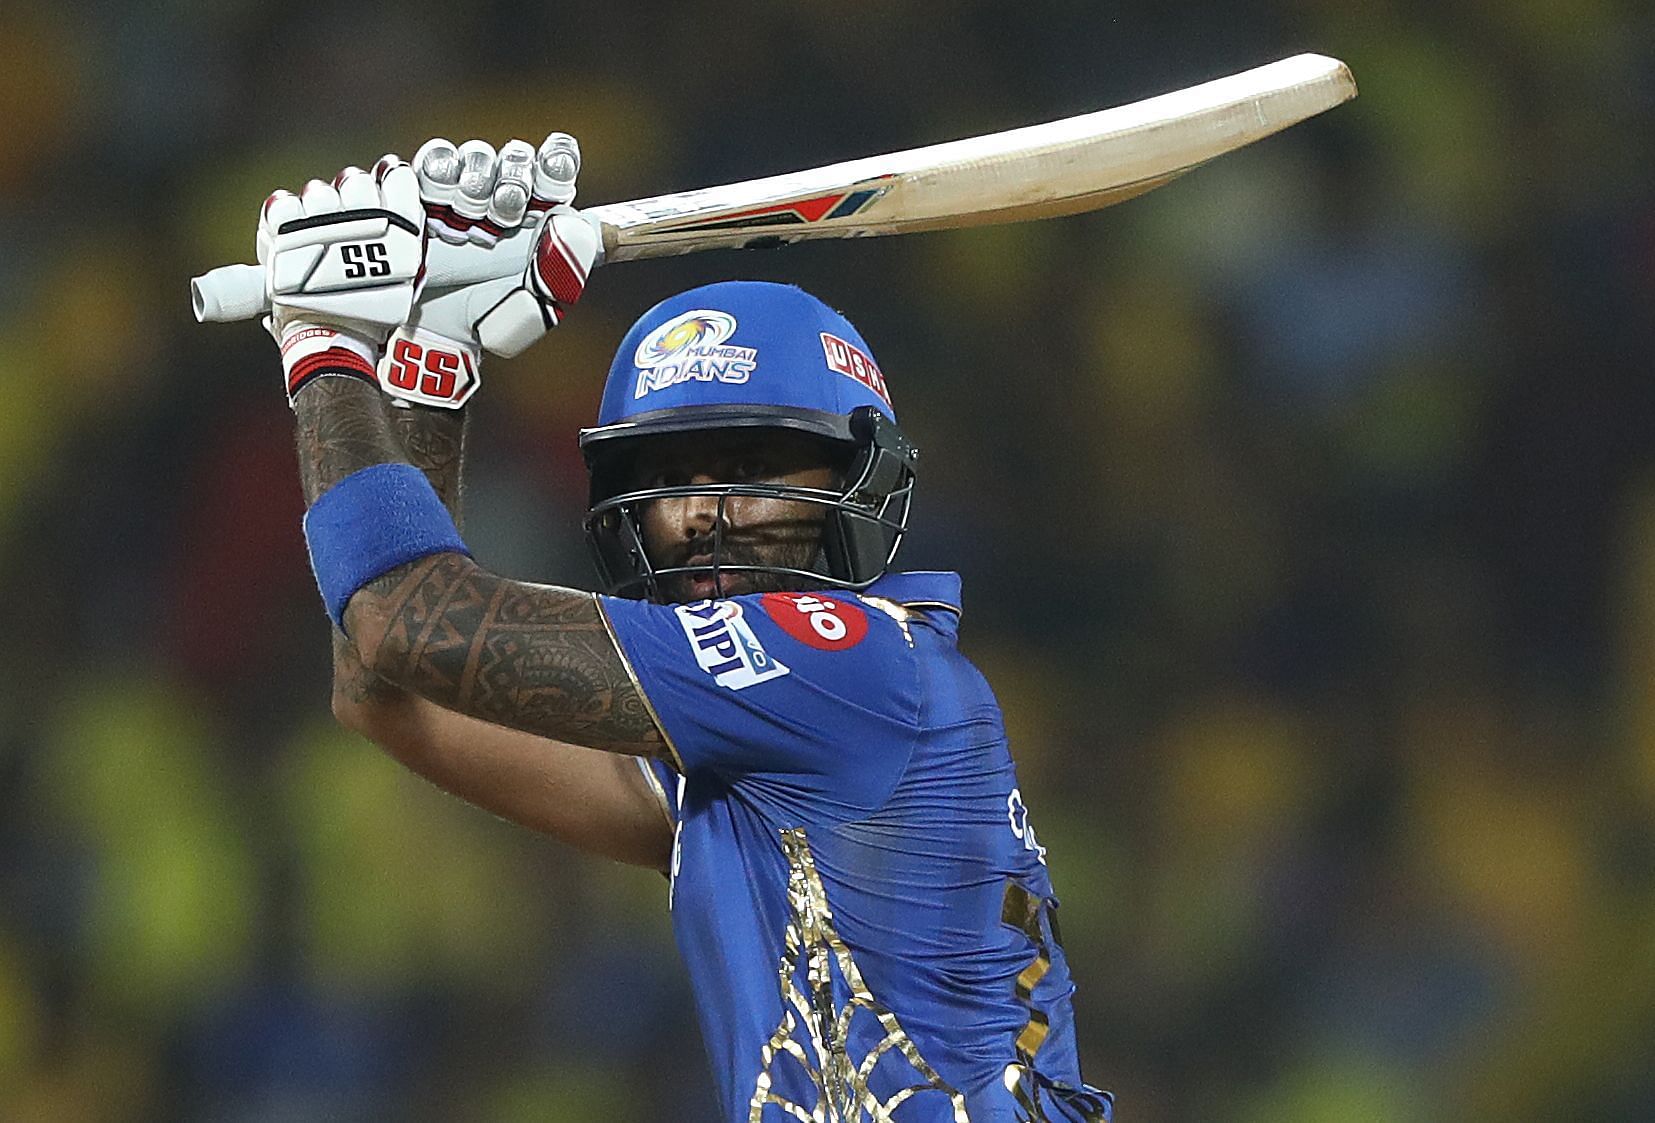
{"points": [[1306, 509]]}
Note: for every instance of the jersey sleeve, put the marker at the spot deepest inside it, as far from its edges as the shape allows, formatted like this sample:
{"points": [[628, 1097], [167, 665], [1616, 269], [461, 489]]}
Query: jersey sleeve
{"points": [[663, 785], [808, 696]]}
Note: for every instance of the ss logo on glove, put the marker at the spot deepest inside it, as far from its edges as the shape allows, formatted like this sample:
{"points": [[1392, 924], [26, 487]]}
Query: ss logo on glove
{"points": [[426, 368], [365, 260]]}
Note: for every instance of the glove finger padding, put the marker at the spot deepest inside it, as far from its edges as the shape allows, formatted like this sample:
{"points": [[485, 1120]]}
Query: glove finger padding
{"points": [[279, 206], [437, 164], [320, 198], [513, 184], [437, 167], [556, 167], [478, 166], [472, 194], [565, 251], [399, 188], [358, 190], [341, 261]]}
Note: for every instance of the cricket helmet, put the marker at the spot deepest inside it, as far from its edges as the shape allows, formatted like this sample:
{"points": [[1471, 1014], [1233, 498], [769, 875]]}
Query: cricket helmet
{"points": [[749, 355]]}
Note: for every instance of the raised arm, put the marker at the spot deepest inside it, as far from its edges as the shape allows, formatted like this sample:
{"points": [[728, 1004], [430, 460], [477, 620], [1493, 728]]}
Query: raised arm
{"points": [[596, 801], [432, 440], [531, 657]]}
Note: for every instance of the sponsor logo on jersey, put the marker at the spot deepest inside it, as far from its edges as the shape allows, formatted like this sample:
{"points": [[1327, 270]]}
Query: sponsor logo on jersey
{"points": [[853, 362], [725, 646], [825, 623], [1018, 812], [691, 347]]}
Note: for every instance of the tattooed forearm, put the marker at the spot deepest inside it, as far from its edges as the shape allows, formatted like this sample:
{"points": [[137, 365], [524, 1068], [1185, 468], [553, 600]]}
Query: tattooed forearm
{"points": [[342, 428], [531, 657], [354, 683], [434, 442]]}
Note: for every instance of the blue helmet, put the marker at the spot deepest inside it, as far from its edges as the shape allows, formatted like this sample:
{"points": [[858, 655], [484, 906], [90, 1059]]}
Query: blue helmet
{"points": [[741, 355]]}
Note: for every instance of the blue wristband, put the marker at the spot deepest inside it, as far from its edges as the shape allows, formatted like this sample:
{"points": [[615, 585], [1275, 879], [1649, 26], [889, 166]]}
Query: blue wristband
{"points": [[369, 523]]}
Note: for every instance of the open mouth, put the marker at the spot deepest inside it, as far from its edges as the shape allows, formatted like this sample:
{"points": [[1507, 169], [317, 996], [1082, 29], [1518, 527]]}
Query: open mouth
{"points": [[701, 581]]}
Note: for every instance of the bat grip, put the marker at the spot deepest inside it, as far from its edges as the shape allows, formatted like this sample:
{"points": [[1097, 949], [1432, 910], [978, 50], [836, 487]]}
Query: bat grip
{"points": [[236, 292], [230, 292]]}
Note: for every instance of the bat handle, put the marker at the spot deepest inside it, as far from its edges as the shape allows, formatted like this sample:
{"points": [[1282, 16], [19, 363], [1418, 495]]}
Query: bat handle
{"points": [[236, 292], [230, 292]]}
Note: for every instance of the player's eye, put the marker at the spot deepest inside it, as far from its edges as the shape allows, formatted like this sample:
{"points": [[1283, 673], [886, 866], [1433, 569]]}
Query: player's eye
{"points": [[750, 468], [666, 477]]}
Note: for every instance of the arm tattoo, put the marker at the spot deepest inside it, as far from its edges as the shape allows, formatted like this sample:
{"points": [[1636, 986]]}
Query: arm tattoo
{"points": [[342, 428], [354, 682], [531, 657], [434, 442], [337, 421]]}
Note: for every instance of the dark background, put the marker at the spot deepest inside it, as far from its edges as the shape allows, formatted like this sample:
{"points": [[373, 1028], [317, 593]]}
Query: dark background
{"points": [[1306, 509]]}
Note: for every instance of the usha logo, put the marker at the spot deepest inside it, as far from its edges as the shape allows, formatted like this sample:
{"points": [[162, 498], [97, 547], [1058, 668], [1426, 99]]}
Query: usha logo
{"points": [[691, 347], [853, 362]]}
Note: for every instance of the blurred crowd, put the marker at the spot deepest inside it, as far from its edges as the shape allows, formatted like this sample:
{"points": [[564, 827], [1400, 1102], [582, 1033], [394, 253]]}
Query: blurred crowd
{"points": [[1306, 509]]}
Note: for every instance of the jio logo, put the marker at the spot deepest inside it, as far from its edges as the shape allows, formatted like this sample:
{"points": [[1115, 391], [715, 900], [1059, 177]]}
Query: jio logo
{"points": [[825, 623]]}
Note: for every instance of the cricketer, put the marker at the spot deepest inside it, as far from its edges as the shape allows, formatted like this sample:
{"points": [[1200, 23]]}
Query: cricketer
{"points": [[756, 704]]}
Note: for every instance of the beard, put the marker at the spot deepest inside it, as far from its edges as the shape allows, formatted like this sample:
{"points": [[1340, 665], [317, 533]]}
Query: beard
{"points": [[794, 551]]}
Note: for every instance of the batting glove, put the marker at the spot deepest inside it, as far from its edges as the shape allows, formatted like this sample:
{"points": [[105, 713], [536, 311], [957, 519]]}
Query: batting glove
{"points": [[473, 195], [341, 263]]}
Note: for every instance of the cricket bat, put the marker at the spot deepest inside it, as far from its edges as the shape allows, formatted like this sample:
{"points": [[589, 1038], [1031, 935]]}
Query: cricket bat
{"points": [[1061, 167]]}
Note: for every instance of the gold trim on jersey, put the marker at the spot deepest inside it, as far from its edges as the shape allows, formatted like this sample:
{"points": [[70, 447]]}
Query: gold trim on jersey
{"points": [[813, 950], [1021, 909], [942, 604], [657, 790], [895, 611], [673, 758]]}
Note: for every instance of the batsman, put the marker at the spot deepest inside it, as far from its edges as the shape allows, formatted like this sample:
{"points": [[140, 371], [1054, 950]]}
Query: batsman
{"points": [[756, 703]]}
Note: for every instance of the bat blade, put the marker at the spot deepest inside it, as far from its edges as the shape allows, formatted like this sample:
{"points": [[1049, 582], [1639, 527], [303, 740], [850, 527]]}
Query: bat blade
{"points": [[1058, 168], [1061, 167]]}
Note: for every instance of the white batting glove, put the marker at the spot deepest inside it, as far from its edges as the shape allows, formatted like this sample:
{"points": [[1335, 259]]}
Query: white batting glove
{"points": [[476, 196], [341, 263]]}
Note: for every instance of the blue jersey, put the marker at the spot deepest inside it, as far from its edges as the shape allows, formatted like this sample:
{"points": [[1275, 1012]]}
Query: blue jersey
{"points": [[857, 890]]}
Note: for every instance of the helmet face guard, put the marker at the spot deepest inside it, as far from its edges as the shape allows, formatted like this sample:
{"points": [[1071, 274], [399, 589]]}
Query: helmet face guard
{"points": [[738, 356], [864, 519]]}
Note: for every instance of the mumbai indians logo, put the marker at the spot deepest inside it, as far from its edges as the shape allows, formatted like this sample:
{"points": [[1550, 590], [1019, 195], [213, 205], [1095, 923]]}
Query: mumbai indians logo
{"points": [[691, 347]]}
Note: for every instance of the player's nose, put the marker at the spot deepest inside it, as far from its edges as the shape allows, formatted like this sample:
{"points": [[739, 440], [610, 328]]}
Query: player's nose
{"points": [[697, 514]]}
